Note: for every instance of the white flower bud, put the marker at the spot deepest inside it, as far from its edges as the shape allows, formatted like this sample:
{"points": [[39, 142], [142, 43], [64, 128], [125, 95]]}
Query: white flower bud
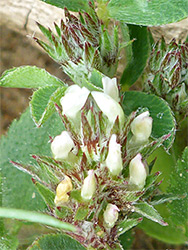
{"points": [[62, 145], [110, 87], [62, 189], [89, 186], [73, 100], [110, 215], [114, 160], [141, 127], [109, 106], [137, 172]]}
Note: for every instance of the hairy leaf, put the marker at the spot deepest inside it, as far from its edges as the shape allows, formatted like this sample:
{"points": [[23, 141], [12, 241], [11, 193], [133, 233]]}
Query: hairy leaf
{"points": [[179, 186], [22, 140], [56, 241], [149, 212], [148, 13], [28, 77], [43, 103]]}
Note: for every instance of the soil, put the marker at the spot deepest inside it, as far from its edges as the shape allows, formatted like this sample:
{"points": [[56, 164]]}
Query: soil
{"points": [[17, 50]]}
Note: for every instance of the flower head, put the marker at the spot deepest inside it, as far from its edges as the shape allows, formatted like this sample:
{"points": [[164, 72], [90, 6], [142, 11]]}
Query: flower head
{"points": [[111, 215], [137, 172], [89, 186], [114, 160], [62, 145]]}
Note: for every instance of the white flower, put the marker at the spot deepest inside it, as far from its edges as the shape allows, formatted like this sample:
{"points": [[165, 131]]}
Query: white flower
{"points": [[62, 189], [109, 106], [141, 127], [62, 145], [114, 160], [89, 186], [110, 215], [110, 87], [137, 172], [73, 100]]}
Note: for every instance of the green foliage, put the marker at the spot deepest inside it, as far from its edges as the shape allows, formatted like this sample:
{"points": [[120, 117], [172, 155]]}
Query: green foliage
{"points": [[179, 186], [73, 5], [24, 139], [43, 103], [140, 46], [149, 212], [46, 194], [8, 242], [127, 224], [56, 242], [163, 120], [20, 214], [175, 213], [28, 77], [148, 13]]}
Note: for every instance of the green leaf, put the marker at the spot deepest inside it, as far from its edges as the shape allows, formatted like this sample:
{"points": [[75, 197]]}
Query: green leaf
{"points": [[43, 103], [96, 78], [179, 186], [45, 219], [126, 240], [127, 224], [47, 195], [8, 242], [163, 120], [171, 234], [148, 13], [140, 52], [149, 212], [162, 198], [174, 213], [56, 242], [28, 77], [81, 213], [22, 140], [73, 5]]}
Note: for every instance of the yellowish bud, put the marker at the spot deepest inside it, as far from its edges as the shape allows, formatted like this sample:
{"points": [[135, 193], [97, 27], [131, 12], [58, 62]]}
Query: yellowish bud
{"points": [[62, 189]]}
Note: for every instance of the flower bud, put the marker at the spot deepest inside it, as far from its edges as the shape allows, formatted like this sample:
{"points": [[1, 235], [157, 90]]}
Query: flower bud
{"points": [[62, 189], [110, 87], [137, 172], [111, 215], [141, 127], [109, 106], [89, 186], [114, 160], [73, 100], [62, 145]]}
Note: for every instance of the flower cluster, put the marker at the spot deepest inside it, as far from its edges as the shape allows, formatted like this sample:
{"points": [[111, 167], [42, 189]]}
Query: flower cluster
{"points": [[97, 136]]}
